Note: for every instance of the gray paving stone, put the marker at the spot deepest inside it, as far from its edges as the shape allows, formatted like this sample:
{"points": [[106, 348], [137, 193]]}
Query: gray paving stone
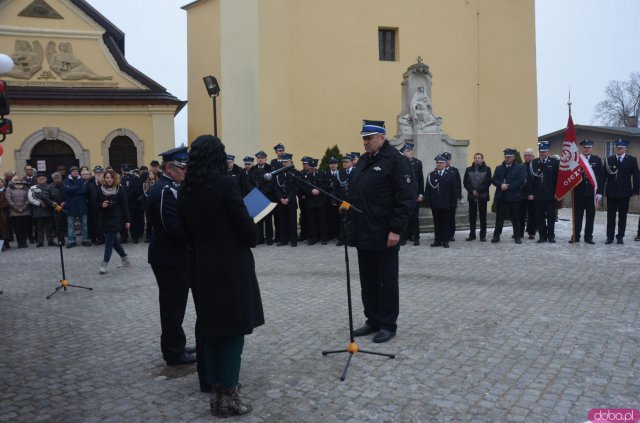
{"points": [[487, 332]]}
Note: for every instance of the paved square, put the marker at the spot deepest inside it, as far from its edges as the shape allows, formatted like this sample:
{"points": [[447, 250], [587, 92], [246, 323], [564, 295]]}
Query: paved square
{"points": [[487, 332]]}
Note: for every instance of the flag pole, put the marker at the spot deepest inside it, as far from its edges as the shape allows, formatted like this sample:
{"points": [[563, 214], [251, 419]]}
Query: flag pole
{"points": [[573, 195]]}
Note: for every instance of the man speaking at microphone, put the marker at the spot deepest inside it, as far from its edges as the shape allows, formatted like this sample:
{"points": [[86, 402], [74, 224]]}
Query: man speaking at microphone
{"points": [[383, 186]]}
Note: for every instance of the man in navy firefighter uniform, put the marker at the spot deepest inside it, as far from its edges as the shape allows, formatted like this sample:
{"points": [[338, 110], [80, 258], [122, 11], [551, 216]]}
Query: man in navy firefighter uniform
{"points": [[441, 197], [383, 186], [584, 197], [168, 256], [508, 179], [544, 171], [622, 181], [256, 178], [286, 190], [413, 231], [316, 203]]}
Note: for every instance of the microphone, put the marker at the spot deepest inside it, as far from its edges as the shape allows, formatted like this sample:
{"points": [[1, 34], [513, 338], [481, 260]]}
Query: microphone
{"points": [[269, 175]]}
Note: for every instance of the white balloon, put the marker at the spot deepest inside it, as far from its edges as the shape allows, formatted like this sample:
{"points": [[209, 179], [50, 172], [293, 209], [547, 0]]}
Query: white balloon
{"points": [[6, 63]]}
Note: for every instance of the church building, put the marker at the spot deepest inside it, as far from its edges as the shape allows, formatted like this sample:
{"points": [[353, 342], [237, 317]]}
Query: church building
{"points": [[75, 99], [306, 72]]}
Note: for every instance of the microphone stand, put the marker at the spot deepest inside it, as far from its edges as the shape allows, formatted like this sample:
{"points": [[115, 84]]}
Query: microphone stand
{"points": [[64, 283], [352, 347]]}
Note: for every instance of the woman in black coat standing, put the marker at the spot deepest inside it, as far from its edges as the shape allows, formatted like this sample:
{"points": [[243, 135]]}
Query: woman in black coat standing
{"points": [[111, 203], [222, 275]]}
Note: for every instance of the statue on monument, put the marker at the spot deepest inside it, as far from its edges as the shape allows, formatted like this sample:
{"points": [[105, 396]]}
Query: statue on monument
{"points": [[421, 111], [67, 66]]}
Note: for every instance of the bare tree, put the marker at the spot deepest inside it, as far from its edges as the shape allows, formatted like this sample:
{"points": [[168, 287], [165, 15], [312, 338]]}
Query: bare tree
{"points": [[622, 100]]}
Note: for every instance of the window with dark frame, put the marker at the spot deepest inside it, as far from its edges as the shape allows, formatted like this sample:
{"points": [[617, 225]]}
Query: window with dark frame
{"points": [[387, 44]]}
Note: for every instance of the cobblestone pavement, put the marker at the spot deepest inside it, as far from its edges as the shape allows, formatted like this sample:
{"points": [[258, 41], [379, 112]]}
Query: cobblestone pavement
{"points": [[487, 332]]}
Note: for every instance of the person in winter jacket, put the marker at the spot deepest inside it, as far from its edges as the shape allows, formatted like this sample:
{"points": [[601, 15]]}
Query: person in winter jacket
{"points": [[75, 191], [111, 203], [40, 210], [19, 209]]}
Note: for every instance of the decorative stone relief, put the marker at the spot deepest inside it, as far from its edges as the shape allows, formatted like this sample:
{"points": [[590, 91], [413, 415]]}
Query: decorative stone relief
{"points": [[27, 58], [40, 9], [67, 66], [50, 133]]}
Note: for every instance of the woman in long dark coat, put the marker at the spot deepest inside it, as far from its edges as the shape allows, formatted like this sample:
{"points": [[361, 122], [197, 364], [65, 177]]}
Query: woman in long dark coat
{"points": [[222, 270]]}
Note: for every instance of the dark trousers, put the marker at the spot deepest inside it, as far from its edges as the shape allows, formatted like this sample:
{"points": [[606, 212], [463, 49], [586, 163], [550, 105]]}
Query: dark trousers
{"points": [[44, 228], [21, 226], [580, 206], [452, 221], [111, 243], [317, 224], [137, 223], [413, 230], [265, 229], [334, 226], [379, 286], [513, 208], [288, 224], [527, 217], [475, 208], [618, 205], [546, 218], [173, 291], [441, 226], [304, 224], [223, 356]]}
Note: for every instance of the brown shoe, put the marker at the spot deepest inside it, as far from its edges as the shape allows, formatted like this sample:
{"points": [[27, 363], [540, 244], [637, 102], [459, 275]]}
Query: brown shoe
{"points": [[231, 404]]}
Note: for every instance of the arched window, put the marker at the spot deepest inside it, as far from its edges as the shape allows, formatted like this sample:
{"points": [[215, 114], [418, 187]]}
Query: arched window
{"points": [[122, 151]]}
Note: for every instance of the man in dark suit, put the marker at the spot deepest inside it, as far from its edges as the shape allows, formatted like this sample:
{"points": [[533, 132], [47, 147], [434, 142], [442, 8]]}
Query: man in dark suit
{"points": [[316, 203], [622, 181], [545, 170], [168, 256], [256, 178], [440, 195], [383, 187], [585, 195], [413, 230], [528, 207], [508, 179]]}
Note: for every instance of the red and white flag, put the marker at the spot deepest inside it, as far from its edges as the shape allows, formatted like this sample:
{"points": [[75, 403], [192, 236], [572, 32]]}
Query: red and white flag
{"points": [[570, 163], [590, 175]]}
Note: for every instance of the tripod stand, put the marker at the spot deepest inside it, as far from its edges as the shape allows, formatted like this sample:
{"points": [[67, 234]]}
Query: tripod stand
{"points": [[64, 283], [352, 347]]}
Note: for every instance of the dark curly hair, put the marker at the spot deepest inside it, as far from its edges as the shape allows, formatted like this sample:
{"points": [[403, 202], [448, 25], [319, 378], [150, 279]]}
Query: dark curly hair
{"points": [[207, 160]]}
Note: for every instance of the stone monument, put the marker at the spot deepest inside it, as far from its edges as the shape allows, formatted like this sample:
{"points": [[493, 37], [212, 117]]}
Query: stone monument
{"points": [[417, 124]]}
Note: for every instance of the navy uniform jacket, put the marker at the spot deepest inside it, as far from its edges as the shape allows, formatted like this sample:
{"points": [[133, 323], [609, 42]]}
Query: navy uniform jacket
{"points": [[132, 186], [384, 187], [543, 187], [286, 186], [440, 190], [584, 188], [168, 245], [417, 170], [457, 181], [320, 179], [341, 184], [256, 179], [622, 179], [514, 176]]}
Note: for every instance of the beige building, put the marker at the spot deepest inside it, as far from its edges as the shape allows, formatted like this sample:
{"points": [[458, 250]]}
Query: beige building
{"points": [[74, 97], [306, 72]]}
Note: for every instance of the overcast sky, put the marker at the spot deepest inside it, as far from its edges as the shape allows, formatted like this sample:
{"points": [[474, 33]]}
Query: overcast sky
{"points": [[581, 45]]}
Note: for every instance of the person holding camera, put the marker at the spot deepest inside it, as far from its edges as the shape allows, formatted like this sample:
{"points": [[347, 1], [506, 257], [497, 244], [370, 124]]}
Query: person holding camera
{"points": [[111, 203]]}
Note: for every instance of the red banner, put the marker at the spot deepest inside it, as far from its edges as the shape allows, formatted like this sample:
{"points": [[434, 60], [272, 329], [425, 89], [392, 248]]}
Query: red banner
{"points": [[569, 176]]}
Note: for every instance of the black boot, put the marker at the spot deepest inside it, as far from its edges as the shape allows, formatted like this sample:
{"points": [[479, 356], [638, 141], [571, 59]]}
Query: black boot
{"points": [[231, 404]]}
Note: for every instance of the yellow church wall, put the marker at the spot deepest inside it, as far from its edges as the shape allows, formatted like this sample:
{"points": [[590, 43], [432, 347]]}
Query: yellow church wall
{"points": [[203, 37], [92, 127], [319, 72]]}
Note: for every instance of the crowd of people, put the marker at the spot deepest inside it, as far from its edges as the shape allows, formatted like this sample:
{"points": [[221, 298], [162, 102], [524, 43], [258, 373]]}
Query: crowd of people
{"points": [[28, 205]]}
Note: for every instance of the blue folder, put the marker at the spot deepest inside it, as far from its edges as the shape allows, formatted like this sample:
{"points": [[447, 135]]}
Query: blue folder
{"points": [[258, 205]]}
